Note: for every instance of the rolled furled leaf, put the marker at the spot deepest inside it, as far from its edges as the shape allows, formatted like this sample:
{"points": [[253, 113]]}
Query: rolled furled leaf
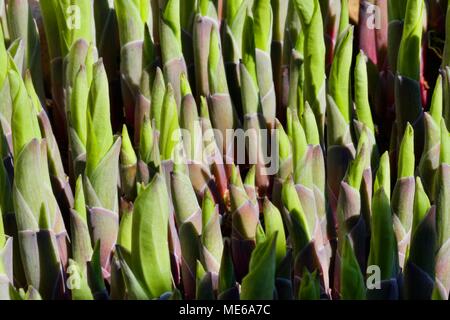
{"points": [[228, 288], [314, 209], [149, 158], [339, 80], [78, 80], [192, 134], [102, 170], [171, 51], [245, 219], [310, 287], [41, 231], [132, 17], [442, 280], [21, 25], [58, 177], [203, 23], [169, 139], [205, 283], [340, 151], [263, 24], [296, 82], [403, 194], [383, 175], [81, 245], [274, 225], [235, 16], [383, 250], [189, 221], [254, 123], [408, 105], [150, 249], [63, 16], [221, 109], [420, 266], [259, 283], [213, 155], [211, 238], [306, 238], [313, 138], [351, 221], [362, 105], [429, 162], [314, 53], [285, 156], [352, 286], [128, 166]]}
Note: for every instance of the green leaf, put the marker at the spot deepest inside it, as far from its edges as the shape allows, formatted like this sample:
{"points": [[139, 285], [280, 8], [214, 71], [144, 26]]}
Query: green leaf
{"points": [[150, 247], [363, 112], [248, 49], [383, 244], [409, 54], [274, 224], [25, 126], [170, 136], [406, 158], [263, 18], [127, 154], [100, 136], [79, 104], [421, 205], [309, 286], [339, 81], [383, 175], [259, 283], [352, 280], [299, 230]]}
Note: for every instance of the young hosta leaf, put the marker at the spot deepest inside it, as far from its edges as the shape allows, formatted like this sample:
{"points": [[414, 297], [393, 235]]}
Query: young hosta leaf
{"points": [[211, 234], [410, 47], [22, 25], [421, 205], [158, 93], [406, 162], [299, 229], [169, 138], [100, 136], [310, 286], [125, 236], [352, 280], [128, 166], [25, 127], [314, 53], [363, 112], [259, 284], [150, 249], [339, 81], [135, 291], [383, 244], [383, 176]]}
